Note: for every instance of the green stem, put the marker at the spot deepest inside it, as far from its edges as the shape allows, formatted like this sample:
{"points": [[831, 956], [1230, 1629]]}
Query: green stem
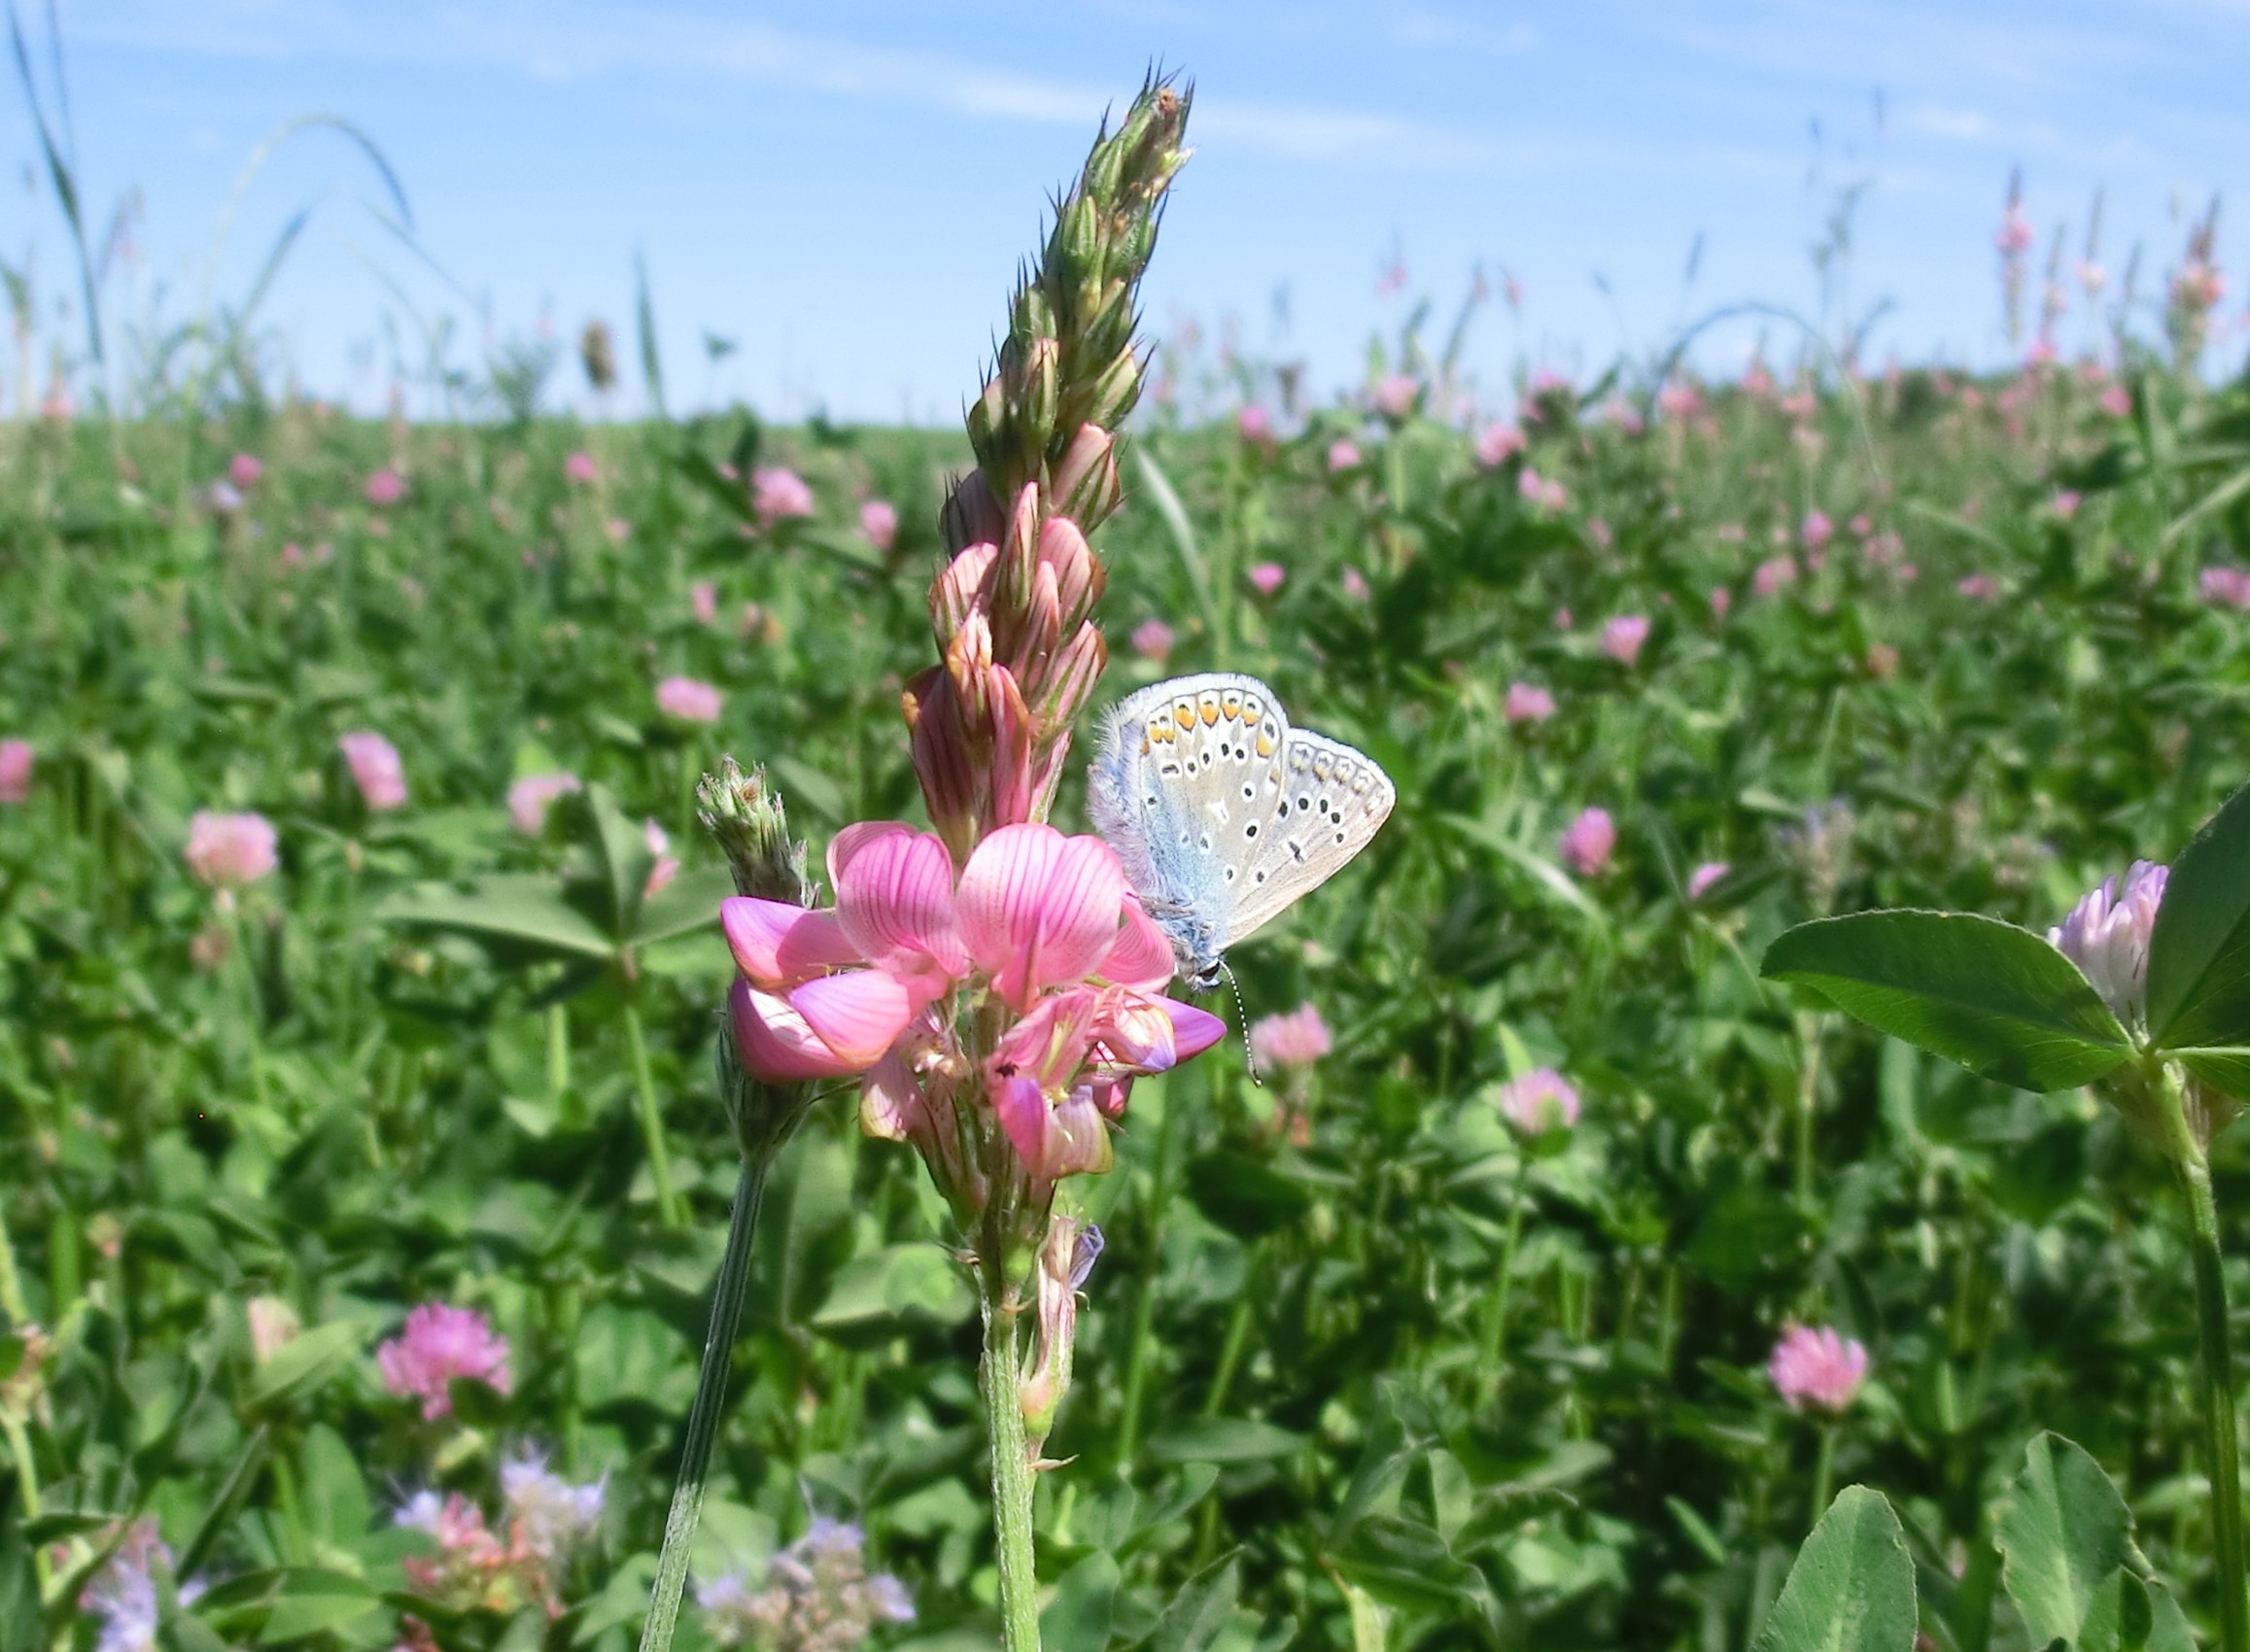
{"points": [[252, 1012], [1231, 1349], [1496, 1316], [1807, 1095], [668, 1207], [1823, 1473], [1011, 1476], [2224, 1464], [703, 1417]]}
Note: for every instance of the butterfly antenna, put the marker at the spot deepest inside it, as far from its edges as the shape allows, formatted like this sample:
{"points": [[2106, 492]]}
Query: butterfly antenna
{"points": [[1242, 1020]]}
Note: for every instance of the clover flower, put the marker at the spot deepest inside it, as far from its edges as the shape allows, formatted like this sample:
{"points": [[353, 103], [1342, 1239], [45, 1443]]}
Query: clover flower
{"points": [[1622, 637], [14, 771], [375, 769], [1268, 577], [439, 1344], [530, 798], [230, 851], [1816, 1370], [548, 1515], [1540, 1101], [385, 488], [689, 700], [1527, 703], [879, 521], [2107, 937], [1152, 640], [122, 1596], [1699, 880], [1296, 1040], [817, 1597], [778, 494], [1588, 841]]}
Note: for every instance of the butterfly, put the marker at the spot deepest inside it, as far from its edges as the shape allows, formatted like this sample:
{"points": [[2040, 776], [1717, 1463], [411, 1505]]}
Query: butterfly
{"points": [[1223, 814]]}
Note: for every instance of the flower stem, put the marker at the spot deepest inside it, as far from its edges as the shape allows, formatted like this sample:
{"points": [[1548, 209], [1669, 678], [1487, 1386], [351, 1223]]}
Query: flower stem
{"points": [[2225, 1464], [1140, 1350], [252, 1012], [1011, 1476], [1823, 1473], [703, 1417], [1808, 1030], [668, 1208], [1496, 1322]]}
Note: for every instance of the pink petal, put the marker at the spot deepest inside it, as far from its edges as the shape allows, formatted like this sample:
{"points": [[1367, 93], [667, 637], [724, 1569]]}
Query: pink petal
{"points": [[1193, 1030], [859, 1013], [778, 943], [1142, 955], [1039, 909], [845, 845], [1024, 1114], [1077, 1138], [891, 1100], [894, 896], [774, 1042]]}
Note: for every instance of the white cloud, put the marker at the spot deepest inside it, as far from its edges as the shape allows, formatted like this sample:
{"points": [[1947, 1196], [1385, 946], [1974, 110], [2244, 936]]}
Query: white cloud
{"points": [[1939, 121]]}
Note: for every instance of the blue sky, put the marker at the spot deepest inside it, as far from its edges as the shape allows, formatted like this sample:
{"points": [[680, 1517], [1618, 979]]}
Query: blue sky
{"points": [[843, 189]]}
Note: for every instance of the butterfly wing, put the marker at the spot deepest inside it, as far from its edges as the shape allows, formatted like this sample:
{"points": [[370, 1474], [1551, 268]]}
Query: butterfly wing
{"points": [[1182, 790], [1324, 804]]}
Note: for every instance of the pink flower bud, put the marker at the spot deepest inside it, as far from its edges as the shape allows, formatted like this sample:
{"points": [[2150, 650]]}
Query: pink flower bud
{"points": [[244, 471], [1588, 841], [2117, 402], [14, 771], [1816, 531], [2227, 587], [375, 767], [581, 468], [879, 521], [1773, 573], [385, 488], [1268, 577], [1342, 456], [1816, 1370], [688, 700], [1980, 588], [1394, 396], [1540, 1101], [2064, 504], [703, 597], [1355, 585], [2107, 937], [228, 851], [1255, 425], [1703, 877], [1495, 443], [1721, 601]]}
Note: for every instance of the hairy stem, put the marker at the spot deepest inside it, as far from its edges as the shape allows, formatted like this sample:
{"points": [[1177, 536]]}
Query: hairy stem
{"points": [[703, 1417], [1012, 1477]]}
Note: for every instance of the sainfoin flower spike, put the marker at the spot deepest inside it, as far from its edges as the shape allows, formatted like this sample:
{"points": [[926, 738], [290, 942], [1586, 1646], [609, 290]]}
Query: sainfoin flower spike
{"points": [[2107, 937], [1817, 1370]]}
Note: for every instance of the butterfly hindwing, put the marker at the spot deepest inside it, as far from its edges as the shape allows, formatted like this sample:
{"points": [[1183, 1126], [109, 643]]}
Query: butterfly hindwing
{"points": [[1334, 800]]}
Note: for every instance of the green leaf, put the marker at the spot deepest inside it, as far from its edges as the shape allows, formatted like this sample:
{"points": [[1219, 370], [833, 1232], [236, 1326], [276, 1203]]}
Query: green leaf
{"points": [[1222, 1439], [621, 848], [2129, 1615], [1998, 1000], [511, 907], [2199, 981], [1245, 1195], [1199, 1610], [1852, 1589], [2063, 1530], [804, 785], [310, 1603], [304, 1362], [688, 902], [882, 1295], [1079, 1615]]}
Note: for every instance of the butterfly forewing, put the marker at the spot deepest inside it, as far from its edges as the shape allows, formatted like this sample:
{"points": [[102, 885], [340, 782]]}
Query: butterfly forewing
{"points": [[1198, 789]]}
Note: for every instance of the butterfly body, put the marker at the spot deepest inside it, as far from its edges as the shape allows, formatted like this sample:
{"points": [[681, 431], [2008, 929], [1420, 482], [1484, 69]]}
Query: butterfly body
{"points": [[1223, 814]]}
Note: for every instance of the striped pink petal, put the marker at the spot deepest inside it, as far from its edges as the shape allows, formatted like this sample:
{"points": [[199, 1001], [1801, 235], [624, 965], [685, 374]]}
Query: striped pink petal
{"points": [[778, 943], [1039, 909], [894, 897], [775, 1042], [856, 1013], [1141, 956]]}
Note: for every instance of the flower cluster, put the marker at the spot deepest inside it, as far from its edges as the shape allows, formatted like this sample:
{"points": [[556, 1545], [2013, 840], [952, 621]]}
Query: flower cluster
{"points": [[1540, 1101], [1818, 1370], [228, 851], [123, 1596], [530, 798], [817, 1597], [547, 1520], [439, 1344], [1040, 922], [375, 770]]}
